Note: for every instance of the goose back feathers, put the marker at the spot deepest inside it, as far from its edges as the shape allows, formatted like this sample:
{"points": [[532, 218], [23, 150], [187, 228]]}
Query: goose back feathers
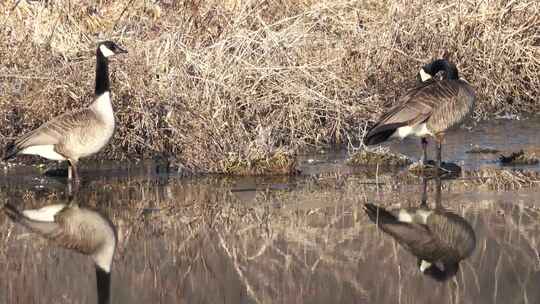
{"points": [[429, 109]]}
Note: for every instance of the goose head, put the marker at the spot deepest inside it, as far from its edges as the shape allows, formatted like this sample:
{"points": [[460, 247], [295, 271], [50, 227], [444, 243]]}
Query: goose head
{"points": [[449, 269], [110, 48], [431, 69]]}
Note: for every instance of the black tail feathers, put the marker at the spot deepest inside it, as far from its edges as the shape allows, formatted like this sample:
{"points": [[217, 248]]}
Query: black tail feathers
{"points": [[377, 138], [13, 213], [381, 133], [10, 151]]}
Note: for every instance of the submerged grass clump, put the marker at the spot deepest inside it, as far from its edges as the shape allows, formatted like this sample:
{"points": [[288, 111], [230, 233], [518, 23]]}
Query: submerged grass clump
{"points": [[204, 77], [503, 179], [430, 169], [381, 157], [278, 163], [519, 158], [476, 149]]}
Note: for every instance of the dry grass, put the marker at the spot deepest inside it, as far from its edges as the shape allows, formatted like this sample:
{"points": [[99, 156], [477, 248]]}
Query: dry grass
{"points": [[278, 163], [208, 79], [502, 179]]}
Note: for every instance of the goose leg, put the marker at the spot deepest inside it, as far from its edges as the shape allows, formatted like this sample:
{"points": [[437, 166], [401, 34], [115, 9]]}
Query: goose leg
{"points": [[73, 174], [424, 147], [439, 153], [438, 186], [424, 192], [70, 171]]}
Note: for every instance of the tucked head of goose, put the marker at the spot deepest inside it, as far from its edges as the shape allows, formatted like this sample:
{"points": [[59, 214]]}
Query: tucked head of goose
{"points": [[423, 76], [434, 271], [429, 70], [109, 48]]}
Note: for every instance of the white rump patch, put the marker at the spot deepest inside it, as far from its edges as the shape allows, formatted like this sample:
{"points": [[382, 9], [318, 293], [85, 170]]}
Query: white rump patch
{"points": [[420, 130], [46, 151], [44, 214], [424, 76], [105, 51], [402, 132], [424, 265]]}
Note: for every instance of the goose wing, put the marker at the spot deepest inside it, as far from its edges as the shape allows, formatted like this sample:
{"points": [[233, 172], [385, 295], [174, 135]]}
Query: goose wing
{"points": [[45, 228], [416, 106], [417, 238], [55, 130], [59, 224], [453, 233]]}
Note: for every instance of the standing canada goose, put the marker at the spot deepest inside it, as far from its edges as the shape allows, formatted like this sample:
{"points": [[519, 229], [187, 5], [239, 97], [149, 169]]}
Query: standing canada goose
{"points": [[430, 109], [77, 134], [79, 229], [433, 236]]}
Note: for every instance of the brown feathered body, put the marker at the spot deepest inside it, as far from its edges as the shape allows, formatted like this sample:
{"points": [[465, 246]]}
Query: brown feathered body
{"points": [[69, 226], [71, 135], [430, 109], [79, 229]]}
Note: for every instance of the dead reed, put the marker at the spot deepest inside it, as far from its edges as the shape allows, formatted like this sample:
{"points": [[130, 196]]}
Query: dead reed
{"points": [[208, 79]]}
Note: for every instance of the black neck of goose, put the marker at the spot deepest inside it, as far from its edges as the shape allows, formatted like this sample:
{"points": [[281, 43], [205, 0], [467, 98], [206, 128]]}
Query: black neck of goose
{"points": [[102, 74], [443, 65], [103, 279]]}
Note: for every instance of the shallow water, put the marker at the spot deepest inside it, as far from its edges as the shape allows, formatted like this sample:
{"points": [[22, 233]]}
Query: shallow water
{"points": [[506, 136], [299, 239]]}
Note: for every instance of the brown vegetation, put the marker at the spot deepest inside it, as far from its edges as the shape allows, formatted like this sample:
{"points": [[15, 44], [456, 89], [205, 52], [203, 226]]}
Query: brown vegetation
{"points": [[209, 79], [519, 158]]}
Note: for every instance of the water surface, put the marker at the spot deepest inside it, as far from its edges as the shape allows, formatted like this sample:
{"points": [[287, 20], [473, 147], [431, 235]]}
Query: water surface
{"points": [[299, 239]]}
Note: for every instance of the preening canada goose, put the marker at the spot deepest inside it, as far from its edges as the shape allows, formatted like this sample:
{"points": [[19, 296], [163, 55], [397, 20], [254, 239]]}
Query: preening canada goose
{"points": [[77, 134], [433, 236], [430, 109], [75, 228]]}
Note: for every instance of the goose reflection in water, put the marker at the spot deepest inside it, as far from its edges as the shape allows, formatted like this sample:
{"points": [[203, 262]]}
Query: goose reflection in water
{"points": [[77, 228], [437, 237]]}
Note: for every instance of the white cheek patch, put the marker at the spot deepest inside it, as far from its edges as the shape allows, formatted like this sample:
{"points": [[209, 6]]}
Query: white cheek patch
{"points": [[424, 76], [424, 265], [105, 51]]}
